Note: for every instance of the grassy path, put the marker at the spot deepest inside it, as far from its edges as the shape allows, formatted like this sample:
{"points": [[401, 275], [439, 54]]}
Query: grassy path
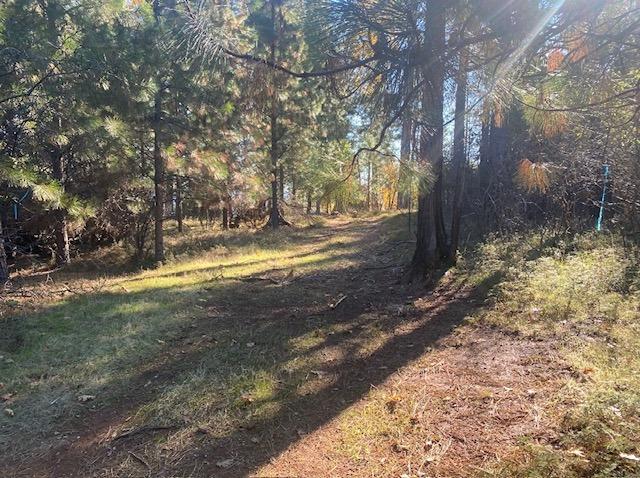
{"points": [[295, 354]]}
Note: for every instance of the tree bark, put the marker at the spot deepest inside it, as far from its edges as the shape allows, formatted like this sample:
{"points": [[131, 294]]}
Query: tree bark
{"points": [[485, 160], [61, 236], [225, 217], [294, 186], [309, 202], [430, 214], [60, 232], [459, 154], [4, 266], [179, 217], [227, 211], [63, 255], [369, 168], [158, 178], [281, 183], [274, 216]]}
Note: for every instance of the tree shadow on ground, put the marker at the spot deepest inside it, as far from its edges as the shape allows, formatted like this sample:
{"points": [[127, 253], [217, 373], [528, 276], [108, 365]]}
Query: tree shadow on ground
{"points": [[320, 355]]}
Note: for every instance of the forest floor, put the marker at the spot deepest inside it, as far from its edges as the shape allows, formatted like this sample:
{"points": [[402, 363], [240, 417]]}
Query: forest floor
{"points": [[303, 353]]}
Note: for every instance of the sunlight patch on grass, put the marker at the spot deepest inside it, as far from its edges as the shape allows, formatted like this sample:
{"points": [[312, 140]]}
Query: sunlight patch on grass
{"points": [[166, 278], [311, 339], [383, 425], [201, 396]]}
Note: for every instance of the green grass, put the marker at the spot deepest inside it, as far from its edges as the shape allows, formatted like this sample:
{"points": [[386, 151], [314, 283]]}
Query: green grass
{"points": [[112, 343], [384, 416], [584, 295]]}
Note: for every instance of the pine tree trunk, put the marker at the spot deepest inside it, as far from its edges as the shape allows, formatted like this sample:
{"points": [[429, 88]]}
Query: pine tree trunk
{"points": [[274, 216], [60, 232], [158, 179], [308, 202], [61, 236], [485, 160], [498, 170], [4, 266], [294, 187], [369, 167], [225, 217], [442, 250], [281, 183], [227, 211], [459, 154], [59, 225], [179, 217], [430, 214]]}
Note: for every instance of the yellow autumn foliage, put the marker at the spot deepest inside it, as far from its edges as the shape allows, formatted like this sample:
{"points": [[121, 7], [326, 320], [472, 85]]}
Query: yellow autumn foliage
{"points": [[533, 176]]}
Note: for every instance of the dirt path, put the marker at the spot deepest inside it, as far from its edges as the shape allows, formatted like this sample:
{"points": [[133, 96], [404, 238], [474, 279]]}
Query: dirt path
{"points": [[394, 382], [456, 410]]}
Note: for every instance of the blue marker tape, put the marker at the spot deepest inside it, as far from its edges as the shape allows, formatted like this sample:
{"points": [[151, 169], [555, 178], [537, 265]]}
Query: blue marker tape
{"points": [[605, 171]]}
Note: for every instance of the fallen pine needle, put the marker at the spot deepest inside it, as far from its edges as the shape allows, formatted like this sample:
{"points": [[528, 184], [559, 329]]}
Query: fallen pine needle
{"points": [[338, 302], [139, 459]]}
